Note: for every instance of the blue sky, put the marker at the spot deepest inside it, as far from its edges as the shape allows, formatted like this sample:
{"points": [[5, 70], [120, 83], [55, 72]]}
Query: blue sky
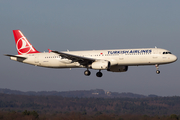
{"points": [[91, 25]]}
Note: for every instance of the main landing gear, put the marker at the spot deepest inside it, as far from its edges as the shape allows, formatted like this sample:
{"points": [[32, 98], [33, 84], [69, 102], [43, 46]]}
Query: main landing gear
{"points": [[87, 72], [157, 68], [98, 74]]}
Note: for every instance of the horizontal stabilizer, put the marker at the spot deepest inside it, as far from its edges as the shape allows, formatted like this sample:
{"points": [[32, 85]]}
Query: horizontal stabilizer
{"points": [[16, 58]]}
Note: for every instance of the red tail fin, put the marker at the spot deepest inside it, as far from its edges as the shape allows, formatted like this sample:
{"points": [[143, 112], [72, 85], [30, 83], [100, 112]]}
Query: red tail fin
{"points": [[22, 44]]}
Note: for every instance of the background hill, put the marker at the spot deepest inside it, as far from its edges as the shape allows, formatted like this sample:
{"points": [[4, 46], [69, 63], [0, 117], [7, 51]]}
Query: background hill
{"points": [[91, 102], [79, 93]]}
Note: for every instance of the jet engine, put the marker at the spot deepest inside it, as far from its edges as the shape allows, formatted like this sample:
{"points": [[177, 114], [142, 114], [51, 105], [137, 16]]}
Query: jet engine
{"points": [[101, 65], [117, 68]]}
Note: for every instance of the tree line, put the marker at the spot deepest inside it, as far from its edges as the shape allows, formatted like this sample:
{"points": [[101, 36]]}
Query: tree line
{"points": [[33, 115], [120, 106]]}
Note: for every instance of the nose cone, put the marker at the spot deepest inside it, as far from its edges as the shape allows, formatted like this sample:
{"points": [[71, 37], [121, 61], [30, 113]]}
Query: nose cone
{"points": [[174, 58]]}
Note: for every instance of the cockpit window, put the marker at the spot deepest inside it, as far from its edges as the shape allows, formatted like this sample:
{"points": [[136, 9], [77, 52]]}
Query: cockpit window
{"points": [[167, 53]]}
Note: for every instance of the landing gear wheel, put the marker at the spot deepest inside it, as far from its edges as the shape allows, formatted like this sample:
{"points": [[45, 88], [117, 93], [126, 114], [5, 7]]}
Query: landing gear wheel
{"points": [[157, 71], [99, 74], [157, 68], [87, 72]]}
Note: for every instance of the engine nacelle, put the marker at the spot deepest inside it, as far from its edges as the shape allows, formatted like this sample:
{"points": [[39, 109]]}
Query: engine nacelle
{"points": [[101, 65], [117, 68]]}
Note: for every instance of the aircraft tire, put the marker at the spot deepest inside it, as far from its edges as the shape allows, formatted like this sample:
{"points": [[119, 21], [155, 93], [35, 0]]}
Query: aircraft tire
{"points": [[157, 71], [99, 74], [87, 72]]}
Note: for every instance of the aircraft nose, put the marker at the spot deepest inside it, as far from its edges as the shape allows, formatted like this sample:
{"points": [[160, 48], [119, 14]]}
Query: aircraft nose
{"points": [[174, 58]]}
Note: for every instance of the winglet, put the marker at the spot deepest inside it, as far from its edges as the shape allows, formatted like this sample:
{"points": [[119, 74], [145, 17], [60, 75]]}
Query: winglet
{"points": [[50, 50]]}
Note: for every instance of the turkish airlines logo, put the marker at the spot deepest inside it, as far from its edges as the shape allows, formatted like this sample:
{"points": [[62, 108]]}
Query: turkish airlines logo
{"points": [[23, 46]]}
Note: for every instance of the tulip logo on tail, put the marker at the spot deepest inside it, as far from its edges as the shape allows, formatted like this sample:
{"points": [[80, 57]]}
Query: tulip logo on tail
{"points": [[23, 46]]}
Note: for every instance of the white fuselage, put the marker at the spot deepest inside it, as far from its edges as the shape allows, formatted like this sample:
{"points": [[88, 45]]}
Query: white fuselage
{"points": [[120, 57], [115, 60]]}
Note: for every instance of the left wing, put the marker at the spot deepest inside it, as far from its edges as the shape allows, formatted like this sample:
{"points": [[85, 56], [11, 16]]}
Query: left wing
{"points": [[82, 60]]}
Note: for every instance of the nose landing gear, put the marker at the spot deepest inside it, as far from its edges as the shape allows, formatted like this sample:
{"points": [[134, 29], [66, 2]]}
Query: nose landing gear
{"points": [[157, 68]]}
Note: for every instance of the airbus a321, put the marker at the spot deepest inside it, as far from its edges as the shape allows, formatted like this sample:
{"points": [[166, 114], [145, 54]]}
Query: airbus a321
{"points": [[115, 60]]}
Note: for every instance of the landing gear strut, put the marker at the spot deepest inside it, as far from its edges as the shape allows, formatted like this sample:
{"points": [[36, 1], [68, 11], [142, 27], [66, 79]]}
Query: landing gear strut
{"points": [[157, 68], [87, 72], [99, 74]]}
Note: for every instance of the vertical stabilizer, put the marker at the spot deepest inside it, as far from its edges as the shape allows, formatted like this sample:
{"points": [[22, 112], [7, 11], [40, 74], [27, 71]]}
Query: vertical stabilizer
{"points": [[22, 44]]}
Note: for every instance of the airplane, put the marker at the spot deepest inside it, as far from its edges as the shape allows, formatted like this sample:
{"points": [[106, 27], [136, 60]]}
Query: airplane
{"points": [[114, 60]]}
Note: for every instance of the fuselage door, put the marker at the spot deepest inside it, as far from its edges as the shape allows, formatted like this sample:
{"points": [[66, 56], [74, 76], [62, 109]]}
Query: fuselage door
{"points": [[155, 54], [36, 59]]}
